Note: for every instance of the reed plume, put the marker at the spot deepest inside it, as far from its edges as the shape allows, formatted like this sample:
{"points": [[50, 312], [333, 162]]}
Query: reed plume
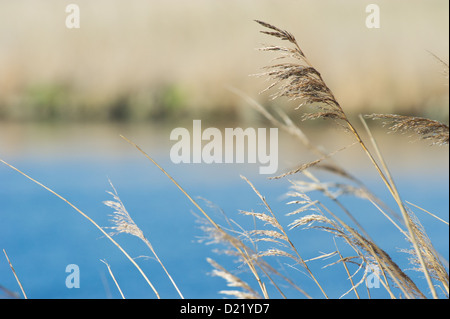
{"points": [[123, 223], [299, 80], [434, 131]]}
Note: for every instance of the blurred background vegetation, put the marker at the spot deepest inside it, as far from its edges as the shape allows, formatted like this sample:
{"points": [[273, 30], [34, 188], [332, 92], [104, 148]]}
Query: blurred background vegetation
{"points": [[141, 68], [169, 60]]}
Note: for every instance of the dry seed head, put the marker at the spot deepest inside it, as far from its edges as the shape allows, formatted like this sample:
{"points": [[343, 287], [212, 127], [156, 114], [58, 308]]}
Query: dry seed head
{"points": [[308, 220], [299, 80], [276, 252], [279, 33], [431, 257], [269, 233], [427, 129], [121, 219], [264, 217]]}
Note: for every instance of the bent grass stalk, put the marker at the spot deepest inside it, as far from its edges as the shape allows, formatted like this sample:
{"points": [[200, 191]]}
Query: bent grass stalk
{"points": [[113, 277], [350, 277], [15, 275], [90, 220]]}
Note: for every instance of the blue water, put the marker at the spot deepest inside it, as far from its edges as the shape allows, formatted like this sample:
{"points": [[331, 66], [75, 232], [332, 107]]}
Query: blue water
{"points": [[42, 234]]}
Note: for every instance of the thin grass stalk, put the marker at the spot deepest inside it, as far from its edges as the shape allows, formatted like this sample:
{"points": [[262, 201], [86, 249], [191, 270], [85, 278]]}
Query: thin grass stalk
{"points": [[149, 245], [113, 278], [288, 126], [277, 287], [389, 218], [429, 213], [347, 271]]}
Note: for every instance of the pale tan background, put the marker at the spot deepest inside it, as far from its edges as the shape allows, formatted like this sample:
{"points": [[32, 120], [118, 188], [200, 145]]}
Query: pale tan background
{"points": [[193, 49]]}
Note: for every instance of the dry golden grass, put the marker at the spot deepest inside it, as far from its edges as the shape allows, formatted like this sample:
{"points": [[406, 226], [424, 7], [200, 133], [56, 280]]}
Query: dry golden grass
{"points": [[123, 223], [426, 129], [15, 275], [299, 80], [269, 239]]}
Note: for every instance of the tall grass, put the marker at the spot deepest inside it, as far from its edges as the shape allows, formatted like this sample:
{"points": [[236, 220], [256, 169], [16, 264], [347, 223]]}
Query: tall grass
{"points": [[295, 78]]}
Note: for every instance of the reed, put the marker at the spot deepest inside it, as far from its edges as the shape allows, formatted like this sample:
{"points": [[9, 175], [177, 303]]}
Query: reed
{"points": [[298, 80]]}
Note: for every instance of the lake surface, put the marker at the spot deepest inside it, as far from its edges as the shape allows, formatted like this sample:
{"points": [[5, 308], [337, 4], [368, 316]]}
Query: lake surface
{"points": [[43, 235]]}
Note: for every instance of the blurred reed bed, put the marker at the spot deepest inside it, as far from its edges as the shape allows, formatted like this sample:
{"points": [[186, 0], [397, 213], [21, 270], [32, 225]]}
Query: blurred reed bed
{"points": [[144, 61]]}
